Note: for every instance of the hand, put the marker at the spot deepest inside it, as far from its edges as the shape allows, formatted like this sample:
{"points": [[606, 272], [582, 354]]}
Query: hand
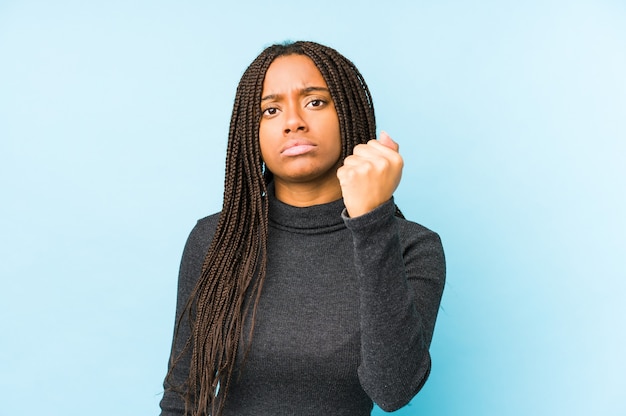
{"points": [[370, 175]]}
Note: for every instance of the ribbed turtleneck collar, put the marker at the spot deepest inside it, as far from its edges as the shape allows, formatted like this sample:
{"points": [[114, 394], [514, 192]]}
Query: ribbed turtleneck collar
{"points": [[307, 220]]}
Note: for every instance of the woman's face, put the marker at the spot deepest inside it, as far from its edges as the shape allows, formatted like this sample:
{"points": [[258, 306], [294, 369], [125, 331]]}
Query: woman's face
{"points": [[299, 131]]}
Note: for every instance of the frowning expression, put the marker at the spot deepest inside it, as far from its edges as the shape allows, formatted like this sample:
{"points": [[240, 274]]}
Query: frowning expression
{"points": [[299, 131]]}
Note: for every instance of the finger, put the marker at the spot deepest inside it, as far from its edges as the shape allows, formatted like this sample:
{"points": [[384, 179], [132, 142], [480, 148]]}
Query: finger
{"points": [[354, 160], [389, 153], [380, 149], [386, 140], [369, 150]]}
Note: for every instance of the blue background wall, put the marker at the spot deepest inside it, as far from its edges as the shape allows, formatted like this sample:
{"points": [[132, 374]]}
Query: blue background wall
{"points": [[511, 118]]}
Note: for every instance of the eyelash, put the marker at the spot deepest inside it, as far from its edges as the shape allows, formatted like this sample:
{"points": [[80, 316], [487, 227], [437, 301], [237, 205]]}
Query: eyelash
{"points": [[317, 100], [270, 111], [266, 111]]}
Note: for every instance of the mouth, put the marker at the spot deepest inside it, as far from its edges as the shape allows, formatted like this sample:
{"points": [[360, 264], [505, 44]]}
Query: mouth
{"points": [[297, 148]]}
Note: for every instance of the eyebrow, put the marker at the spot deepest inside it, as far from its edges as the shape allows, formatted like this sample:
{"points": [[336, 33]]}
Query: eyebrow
{"points": [[303, 91]]}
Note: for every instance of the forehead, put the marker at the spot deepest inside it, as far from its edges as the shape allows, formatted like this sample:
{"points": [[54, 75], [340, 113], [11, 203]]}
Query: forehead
{"points": [[292, 72]]}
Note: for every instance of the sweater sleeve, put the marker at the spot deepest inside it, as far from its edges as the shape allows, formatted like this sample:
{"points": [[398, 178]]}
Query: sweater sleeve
{"points": [[401, 271], [172, 403]]}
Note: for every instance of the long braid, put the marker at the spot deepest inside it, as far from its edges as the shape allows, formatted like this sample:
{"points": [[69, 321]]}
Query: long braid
{"points": [[234, 267]]}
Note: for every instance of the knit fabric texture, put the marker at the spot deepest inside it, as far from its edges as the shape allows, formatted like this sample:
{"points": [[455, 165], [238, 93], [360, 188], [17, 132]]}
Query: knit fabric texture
{"points": [[346, 315]]}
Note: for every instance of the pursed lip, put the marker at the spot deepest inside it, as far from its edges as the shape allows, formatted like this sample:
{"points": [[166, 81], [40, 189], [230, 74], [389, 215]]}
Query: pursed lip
{"points": [[297, 147]]}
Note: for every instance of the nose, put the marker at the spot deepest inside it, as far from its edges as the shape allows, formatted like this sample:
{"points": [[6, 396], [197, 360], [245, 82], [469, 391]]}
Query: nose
{"points": [[294, 120]]}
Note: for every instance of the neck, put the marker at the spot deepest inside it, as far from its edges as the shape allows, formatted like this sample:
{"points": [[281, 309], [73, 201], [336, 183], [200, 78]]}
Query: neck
{"points": [[306, 194]]}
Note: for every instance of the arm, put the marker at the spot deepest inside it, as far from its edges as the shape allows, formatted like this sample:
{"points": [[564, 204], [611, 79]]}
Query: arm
{"points": [[401, 271], [172, 404]]}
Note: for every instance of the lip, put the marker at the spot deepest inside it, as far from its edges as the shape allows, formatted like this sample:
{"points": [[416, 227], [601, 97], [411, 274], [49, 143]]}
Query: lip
{"points": [[297, 147]]}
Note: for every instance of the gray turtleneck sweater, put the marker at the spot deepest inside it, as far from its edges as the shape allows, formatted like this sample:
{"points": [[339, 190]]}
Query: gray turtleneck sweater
{"points": [[345, 318]]}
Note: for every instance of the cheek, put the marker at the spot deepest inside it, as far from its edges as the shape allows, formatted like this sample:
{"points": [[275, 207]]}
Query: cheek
{"points": [[336, 133], [265, 143]]}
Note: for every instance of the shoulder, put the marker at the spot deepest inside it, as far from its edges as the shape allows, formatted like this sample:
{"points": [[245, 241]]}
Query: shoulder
{"points": [[383, 221], [195, 250], [422, 248], [410, 230], [200, 238], [206, 226]]}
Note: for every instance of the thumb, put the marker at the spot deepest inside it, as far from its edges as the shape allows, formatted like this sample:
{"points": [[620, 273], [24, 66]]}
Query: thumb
{"points": [[386, 141]]}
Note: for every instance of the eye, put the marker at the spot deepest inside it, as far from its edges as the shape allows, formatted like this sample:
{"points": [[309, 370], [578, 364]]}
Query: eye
{"points": [[316, 103], [270, 111]]}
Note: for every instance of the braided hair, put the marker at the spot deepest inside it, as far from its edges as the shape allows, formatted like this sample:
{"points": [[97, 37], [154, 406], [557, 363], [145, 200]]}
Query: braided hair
{"points": [[233, 271]]}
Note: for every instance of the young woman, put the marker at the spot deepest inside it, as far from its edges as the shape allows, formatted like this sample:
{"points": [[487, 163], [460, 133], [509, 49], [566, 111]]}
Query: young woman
{"points": [[309, 293]]}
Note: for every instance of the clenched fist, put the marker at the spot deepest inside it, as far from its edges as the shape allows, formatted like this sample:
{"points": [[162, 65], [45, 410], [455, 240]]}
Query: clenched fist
{"points": [[370, 175]]}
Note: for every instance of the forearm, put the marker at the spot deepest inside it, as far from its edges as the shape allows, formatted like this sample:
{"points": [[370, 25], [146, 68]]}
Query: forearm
{"points": [[399, 298]]}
